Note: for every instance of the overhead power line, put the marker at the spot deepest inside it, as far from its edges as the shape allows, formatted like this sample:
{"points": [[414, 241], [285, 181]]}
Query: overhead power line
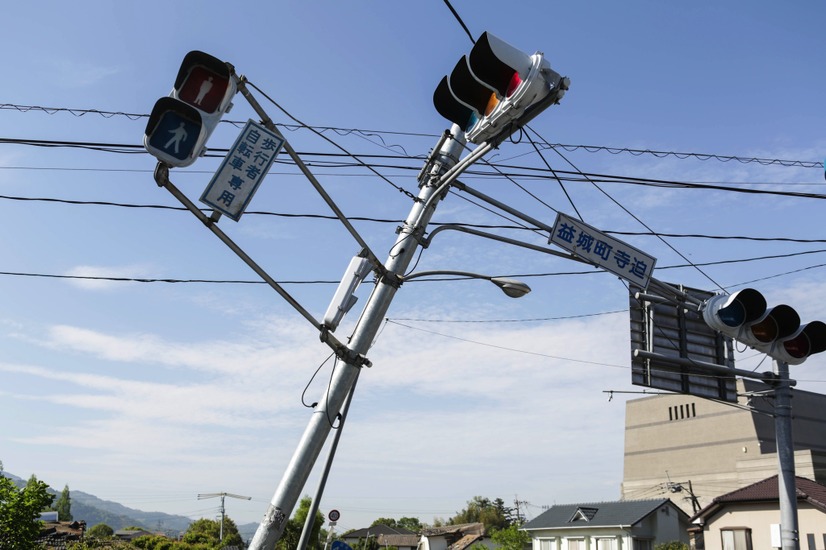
{"points": [[765, 161], [494, 171], [330, 217]]}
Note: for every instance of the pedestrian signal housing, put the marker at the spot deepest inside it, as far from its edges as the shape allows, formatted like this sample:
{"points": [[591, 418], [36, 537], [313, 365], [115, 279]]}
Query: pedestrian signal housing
{"points": [[180, 124]]}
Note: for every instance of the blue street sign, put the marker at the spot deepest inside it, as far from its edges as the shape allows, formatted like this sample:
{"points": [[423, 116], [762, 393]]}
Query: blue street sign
{"points": [[175, 135]]}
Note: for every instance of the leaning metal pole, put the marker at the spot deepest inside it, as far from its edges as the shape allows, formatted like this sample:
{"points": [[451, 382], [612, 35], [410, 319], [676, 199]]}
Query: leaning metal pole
{"points": [[311, 443], [786, 487]]}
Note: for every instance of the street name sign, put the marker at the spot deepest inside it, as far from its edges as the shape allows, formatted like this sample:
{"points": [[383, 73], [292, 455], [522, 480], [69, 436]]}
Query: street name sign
{"points": [[601, 250]]}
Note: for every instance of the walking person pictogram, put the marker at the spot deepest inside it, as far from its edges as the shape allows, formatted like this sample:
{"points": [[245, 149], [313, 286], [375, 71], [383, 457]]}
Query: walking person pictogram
{"points": [[179, 134]]}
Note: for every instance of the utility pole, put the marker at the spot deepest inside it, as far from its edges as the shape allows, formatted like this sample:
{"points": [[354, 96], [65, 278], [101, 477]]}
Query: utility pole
{"points": [[431, 190], [523, 86], [222, 495], [786, 487]]}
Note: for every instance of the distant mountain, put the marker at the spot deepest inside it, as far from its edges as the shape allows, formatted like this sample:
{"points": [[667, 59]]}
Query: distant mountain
{"points": [[93, 510]]}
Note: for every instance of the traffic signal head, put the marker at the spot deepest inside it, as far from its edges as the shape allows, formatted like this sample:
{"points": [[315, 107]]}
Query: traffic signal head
{"points": [[775, 331], [494, 86], [174, 132], [180, 125], [808, 340]]}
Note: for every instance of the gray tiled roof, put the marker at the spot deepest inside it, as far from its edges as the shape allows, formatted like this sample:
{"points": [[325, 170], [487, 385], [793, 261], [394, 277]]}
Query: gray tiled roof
{"points": [[595, 514], [377, 530], [399, 541]]}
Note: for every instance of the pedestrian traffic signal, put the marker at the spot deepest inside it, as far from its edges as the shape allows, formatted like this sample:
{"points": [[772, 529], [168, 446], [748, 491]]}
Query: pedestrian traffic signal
{"points": [[776, 331], [180, 124], [491, 88], [173, 132]]}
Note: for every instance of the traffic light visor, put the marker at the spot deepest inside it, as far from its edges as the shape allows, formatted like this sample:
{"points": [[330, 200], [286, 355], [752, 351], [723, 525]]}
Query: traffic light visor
{"points": [[451, 108], [779, 322], [811, 339], [741, 307], [498, 64]]}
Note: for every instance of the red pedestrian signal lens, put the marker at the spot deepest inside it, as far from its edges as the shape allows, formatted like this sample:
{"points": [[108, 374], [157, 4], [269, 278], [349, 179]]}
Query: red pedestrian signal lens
{"points": [[204, 89]]}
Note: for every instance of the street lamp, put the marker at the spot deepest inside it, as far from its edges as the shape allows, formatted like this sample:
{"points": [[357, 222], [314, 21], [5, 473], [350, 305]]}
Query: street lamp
{"points": [[511, 287]]}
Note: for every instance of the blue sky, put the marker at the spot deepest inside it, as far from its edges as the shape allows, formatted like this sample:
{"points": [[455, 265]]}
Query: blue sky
{"points": [[150, 393]]}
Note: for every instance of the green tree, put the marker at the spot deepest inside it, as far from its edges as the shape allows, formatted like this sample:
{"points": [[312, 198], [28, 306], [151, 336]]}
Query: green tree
{"points": [[411, 524], [20, 512], [159, 542], [201, 534], [100, 544], [492, 513], [63, 506], [511, 538], [100, 531], [292, 531], [671, 545]]}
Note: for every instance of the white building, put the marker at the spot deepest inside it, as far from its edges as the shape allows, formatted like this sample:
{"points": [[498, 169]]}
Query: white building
{"points": [[622, 525]]}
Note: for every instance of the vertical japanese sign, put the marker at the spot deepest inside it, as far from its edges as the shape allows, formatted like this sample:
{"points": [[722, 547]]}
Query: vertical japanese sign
{"points": [[603, 251], [242, 170]]}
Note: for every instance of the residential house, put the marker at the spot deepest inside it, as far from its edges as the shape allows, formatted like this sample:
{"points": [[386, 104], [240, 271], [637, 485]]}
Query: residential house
{"points": [[383, 535], [621, 525], [749, 517], [455, 537]]}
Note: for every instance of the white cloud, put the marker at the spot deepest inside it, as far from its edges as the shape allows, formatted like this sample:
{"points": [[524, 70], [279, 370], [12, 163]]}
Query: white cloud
{"points": [[97, 275], [72, 73]]}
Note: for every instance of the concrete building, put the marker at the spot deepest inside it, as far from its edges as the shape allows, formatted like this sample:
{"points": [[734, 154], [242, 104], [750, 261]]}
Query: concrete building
{"points": [[680, 444]]}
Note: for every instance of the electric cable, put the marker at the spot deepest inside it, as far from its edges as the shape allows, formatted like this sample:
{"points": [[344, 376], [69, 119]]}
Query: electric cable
{"points": [[724, 158]]}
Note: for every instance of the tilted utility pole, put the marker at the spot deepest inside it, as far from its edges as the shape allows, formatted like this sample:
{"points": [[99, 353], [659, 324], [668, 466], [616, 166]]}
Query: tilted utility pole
{"points": [[403, 251]]}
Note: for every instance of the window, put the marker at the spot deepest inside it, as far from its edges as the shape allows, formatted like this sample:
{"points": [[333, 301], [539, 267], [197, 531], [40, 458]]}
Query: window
{"points": [[606, 543], [545, 544], [576, 544], [736, 538], [642, 544]]}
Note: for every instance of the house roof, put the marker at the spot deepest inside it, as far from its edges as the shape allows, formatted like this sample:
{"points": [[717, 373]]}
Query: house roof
{"points": [[399, 541], [466, 541], [377, 530], [463, 528], [767, 491], [598, 514]]}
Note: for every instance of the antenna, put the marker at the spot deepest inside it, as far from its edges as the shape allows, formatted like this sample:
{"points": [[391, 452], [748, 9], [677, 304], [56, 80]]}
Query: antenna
{"points": [[202, 496]]}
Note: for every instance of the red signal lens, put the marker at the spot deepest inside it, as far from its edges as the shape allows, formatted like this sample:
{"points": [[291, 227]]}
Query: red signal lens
{"points": [[798, 347], [514, 83]]}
